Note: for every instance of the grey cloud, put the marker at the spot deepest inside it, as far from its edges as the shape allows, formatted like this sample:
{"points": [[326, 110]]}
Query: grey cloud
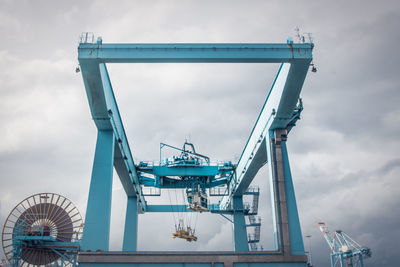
{"points": [[343, 152]]}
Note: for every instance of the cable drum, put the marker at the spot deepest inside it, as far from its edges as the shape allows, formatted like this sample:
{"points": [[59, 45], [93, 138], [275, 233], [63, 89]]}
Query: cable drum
{"points": [[47, 215]]}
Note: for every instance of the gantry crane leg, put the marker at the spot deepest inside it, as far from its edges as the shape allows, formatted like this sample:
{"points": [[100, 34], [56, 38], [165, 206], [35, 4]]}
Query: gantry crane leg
{"points": [[288, 237], [97, 222], [239, 225], [131, 225]]}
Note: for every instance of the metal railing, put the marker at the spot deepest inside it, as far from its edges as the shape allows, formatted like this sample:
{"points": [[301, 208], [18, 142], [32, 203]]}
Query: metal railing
{"points": [[169, 161], [86, 38], [151, 191], [218, 191]]}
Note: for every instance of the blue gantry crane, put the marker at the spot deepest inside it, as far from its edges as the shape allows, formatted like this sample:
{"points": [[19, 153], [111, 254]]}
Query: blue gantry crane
{"points": [[267, 143], [190, 170], [344, 251]]}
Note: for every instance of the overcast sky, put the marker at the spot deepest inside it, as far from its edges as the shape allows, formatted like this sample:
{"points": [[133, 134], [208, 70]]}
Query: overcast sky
{"points": [[344, 152]]}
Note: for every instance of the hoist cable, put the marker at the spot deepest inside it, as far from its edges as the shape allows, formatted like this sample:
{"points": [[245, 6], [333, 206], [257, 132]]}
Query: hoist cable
{"points": [[172, 208], [176, 201], [195, 222], [183, 209]]}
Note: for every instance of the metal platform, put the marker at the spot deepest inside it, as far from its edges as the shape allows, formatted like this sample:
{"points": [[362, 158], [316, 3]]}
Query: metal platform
{"points": [[203, 259]]}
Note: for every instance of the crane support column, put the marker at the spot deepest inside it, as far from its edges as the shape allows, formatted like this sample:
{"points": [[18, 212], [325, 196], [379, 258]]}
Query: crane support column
{"points": [[239, 225], [288, 237], [131, 225], [97, 222]]}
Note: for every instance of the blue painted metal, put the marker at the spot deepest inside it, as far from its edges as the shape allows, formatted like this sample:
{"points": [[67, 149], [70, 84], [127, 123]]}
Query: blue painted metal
{"points": [[17, 253], [131, 225], [190, 171], [168, 183], [21, 240], [185, 170], [254, 156], [290, 95], [280, 111], [214, 208], [97, 222], [168, 208], [295, 235], [35, 238], [274, 196], [195, 53], [130, 181], [239, 225]]}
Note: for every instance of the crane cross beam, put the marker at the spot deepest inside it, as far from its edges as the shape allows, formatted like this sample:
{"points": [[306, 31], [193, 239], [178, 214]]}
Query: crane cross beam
{"points": [[195, 53]]}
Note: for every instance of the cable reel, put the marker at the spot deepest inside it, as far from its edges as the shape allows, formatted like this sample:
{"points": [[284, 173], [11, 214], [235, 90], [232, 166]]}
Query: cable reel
{"points": [[42, 229]]}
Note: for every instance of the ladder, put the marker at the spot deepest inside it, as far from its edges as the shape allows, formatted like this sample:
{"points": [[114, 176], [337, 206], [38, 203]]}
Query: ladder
{"points": [[254, 221]]}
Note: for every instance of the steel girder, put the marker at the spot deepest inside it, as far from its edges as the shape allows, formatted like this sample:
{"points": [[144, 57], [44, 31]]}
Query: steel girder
{"points": [[195, 53]]}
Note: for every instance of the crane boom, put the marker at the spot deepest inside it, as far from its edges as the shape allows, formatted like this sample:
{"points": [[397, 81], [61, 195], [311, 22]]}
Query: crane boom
{"points": [[325, 232], [344, 250]]}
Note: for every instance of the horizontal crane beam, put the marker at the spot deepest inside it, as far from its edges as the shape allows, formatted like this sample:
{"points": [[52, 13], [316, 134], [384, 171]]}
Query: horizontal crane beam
{"points": [[168, 208], [169, 183], [214, 208], [195, 53], [184, 170]]}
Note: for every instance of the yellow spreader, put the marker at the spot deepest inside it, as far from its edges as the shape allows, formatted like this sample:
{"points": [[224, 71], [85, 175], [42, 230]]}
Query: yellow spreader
{"points": [[184, 235]]}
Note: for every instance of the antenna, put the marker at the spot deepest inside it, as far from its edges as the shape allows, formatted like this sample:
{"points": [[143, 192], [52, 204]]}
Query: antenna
{"points": [[297, 30], [309, 254]]}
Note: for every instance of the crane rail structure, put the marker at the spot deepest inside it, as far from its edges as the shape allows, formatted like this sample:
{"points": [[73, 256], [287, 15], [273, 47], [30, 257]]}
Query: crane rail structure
{"points": [[266, 144]]}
